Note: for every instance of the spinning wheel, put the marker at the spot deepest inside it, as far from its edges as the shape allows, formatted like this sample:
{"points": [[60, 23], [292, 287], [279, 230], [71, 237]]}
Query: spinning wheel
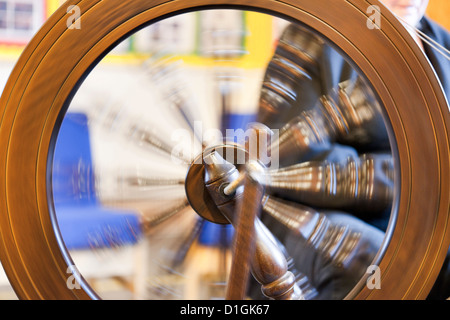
{"points": [[342, 166]]}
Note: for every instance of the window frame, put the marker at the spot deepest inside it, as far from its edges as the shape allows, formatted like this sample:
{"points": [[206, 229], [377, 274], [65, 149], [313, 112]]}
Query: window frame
{"points": [[13, 36]]}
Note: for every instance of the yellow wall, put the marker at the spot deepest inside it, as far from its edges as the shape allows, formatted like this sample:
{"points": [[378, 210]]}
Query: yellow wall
{"points": [[439, 11], [52, 5]]}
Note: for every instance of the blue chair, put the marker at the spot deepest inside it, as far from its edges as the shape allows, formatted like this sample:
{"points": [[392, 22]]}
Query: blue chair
{"points": [[83, 221]]}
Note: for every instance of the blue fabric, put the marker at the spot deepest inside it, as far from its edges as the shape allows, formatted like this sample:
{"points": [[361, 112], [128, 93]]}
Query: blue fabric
{"points": [[238, 121], [216, 235], [82, 220], [92, 226], [73, 175]]}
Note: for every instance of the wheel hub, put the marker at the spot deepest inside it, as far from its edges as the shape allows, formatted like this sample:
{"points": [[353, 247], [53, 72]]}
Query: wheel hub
{"points": [[196, 191]]}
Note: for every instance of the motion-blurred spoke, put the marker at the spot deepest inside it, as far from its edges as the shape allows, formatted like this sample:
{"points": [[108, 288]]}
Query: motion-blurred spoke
{"points": [[151, 182], [150, 222]]}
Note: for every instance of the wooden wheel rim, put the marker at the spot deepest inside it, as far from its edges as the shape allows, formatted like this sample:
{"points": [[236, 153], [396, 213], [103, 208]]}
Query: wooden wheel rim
{"points": [[57, 59]]}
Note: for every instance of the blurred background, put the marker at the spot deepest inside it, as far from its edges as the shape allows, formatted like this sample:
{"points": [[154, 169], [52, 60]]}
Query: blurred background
{"points": [[192, 38]]}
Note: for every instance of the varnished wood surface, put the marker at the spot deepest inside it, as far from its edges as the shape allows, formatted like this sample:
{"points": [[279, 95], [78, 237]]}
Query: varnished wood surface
{"points": [[248, 210], [57, 59]]}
